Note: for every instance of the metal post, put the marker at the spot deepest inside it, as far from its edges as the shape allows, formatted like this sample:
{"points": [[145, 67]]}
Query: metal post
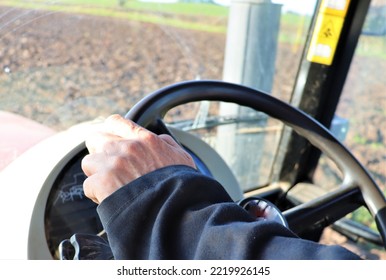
{"points": [[250, 53], [251, 44]]}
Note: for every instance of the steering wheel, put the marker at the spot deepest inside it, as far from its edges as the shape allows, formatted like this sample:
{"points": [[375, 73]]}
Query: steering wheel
{"points": [[358, 187]]}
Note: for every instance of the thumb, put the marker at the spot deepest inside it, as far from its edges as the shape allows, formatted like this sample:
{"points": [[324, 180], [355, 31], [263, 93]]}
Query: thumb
{"points": [[168, 139], [125, 128]]}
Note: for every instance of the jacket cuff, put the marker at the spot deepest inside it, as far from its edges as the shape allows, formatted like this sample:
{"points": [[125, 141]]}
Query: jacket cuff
{"points": [[112, 205]]}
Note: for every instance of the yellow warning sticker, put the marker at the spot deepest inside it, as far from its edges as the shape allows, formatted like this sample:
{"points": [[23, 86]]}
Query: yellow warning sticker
{"points": [[335, 7], [325, 38]]}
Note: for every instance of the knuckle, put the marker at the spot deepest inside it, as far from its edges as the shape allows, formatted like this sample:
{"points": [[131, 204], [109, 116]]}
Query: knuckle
{"points": [[150, 138], [85, 165], [130, 147], [88, 187], [110, 147], [117, 163], [107, 146]]}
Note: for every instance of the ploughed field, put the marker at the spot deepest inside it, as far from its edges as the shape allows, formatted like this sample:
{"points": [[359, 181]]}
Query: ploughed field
{"points": [[60, 69]]}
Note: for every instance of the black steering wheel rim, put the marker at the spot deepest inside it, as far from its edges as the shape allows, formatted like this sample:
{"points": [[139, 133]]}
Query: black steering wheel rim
{"points": [[357, 183]]}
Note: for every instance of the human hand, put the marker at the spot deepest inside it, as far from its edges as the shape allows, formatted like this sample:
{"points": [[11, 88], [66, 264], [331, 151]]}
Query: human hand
{"points": [[124, 151]]}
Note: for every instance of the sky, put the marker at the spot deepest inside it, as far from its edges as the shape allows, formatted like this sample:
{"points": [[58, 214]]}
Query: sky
{"points": [[298, 6]]}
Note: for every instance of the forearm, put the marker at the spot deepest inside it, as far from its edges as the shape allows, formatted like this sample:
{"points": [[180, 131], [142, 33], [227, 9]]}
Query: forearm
{"points": [[176, 213], [152, 216]]}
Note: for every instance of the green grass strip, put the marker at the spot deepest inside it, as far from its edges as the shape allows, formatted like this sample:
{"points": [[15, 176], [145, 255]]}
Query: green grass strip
{"points": [[142, 14]]}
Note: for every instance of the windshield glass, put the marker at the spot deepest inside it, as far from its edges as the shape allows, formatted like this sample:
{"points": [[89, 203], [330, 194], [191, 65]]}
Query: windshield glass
{"points": [[70, 61]]}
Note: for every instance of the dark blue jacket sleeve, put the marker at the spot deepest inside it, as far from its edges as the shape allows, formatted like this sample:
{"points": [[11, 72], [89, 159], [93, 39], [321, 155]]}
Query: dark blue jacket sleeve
{"points": [[177, 213]]}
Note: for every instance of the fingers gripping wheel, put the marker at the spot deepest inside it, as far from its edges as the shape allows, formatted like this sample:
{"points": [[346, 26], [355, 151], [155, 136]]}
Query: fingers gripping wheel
{"points": [[359, 188]]}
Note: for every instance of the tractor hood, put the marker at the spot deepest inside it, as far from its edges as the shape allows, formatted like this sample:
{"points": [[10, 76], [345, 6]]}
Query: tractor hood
{"points": [[18, 134]]}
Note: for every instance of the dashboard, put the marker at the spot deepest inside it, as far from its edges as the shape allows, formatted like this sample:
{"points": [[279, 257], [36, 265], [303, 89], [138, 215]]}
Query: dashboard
{"points": [[68, 210]]}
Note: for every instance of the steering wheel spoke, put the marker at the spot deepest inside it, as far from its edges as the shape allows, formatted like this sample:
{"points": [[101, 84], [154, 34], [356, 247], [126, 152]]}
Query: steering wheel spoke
{"points": [[324, 210]]}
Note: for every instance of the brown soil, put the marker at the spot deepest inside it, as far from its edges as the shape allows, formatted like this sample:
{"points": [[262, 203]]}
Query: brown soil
{"points": [[84, 59]]}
